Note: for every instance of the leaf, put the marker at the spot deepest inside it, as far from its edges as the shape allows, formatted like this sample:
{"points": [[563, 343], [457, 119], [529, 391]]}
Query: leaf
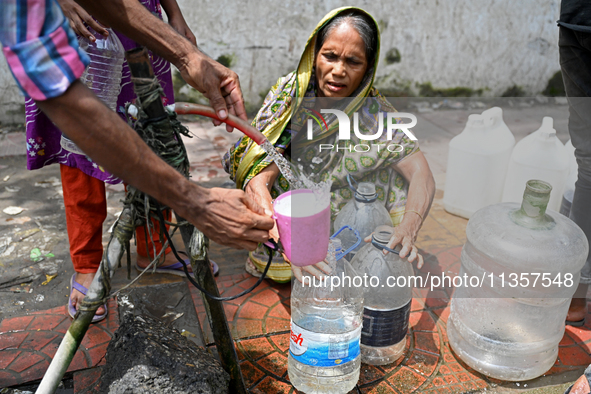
{"points": [[48, 278], [35, 254]]}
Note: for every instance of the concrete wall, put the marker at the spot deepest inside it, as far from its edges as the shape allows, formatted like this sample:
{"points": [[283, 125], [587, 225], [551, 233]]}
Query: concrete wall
{"points": [[12, 102], [479, 44]]}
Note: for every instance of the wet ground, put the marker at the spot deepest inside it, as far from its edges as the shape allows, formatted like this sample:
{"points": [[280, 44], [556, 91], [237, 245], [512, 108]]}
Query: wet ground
{"points": [[34, 250]]}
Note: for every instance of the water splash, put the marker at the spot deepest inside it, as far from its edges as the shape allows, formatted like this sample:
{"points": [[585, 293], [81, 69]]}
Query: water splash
{"points": [[283, 165]]}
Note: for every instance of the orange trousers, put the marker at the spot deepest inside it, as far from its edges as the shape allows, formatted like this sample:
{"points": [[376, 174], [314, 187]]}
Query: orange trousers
{"points": [[86, 210]]}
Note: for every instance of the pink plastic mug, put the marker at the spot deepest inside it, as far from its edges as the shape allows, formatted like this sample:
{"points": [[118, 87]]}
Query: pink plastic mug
{"points": [[304, 238]]}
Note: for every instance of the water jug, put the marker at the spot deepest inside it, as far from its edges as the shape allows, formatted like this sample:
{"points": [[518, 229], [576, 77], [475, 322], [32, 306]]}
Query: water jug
{"points": [[363, 213], [326, 317], [387, 300], [569, 187], [477, 163], [103, 74], [542, 156], [526, 260]]}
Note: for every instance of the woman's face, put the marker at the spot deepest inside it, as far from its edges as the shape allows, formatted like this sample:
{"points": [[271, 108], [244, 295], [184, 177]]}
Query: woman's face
{"points": [[341, 62]]}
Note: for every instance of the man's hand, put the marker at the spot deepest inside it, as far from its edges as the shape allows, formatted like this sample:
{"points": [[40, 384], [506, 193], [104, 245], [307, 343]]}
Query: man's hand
{"points": [[179, 24], [218, 83], [77, 16], [229, 217], [258, 189]]}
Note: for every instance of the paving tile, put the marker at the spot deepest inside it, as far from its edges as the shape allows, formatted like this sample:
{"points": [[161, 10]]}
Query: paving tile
{"points": [[573, 355], [247, 328], [95, 336], [417, 304], [252, 310], [12, 340], [443, 314], [427, 341], [8, 356], [406, 380], [579, 334], [251, 374], [267, 297], [566, 340], [280, 311], [97, 354], [271, 386], [256, 348], [276, 363], [273, 325], [382, 388], [281, 341], [25, 360], [19, 323], [46, 322], [421, 321], [86, 381], [8, 379], [37, 340], [392, 366], [450, 379], [444, 370], [35, 371], [369, 374], [422, 362]]}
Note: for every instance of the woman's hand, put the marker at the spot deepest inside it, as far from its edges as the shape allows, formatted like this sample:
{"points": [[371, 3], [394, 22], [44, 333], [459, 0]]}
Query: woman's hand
{"points": [[259, 190], [318, 270], [77, 16], [405, 235]]}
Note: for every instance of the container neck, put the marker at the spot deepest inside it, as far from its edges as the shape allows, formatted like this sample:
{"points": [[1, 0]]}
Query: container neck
{"points": [[532, 213]]}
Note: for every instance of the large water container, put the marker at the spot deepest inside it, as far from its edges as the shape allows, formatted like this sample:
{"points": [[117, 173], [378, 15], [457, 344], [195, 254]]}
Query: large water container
{"points": [[363, 213], [103, 74], [573, 174], [387, 300], [477, 163], [542, 156], [326, 317], [522, 265]]}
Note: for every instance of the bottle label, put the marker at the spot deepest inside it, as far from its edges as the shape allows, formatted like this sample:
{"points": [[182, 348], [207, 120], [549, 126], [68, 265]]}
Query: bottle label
{"points": [[323, 350], [384, 327]]}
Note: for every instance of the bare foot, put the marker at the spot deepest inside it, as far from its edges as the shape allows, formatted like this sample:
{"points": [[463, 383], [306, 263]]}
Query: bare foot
{"points": [[577, 310], [581, 386], [85, 280]]}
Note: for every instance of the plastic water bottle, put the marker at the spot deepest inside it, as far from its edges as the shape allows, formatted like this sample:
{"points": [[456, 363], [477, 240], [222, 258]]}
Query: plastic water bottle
{"points": [[103, 74], [387, 300], [324, 355], [541, 156], [363, 213], [509, 325], [477, 163]]}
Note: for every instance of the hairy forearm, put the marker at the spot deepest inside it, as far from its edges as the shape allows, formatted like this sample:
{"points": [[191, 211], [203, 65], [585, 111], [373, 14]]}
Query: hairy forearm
{"points": [[131, 18], [104, 137]]}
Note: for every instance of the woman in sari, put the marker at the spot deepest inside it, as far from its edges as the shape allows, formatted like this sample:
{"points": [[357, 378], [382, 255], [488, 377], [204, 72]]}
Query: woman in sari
{"points": [[336, 70]]}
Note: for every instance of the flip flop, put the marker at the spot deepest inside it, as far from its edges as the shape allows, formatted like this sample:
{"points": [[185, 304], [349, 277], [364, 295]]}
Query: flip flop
{"points": [[177, 268], [214, 266], [83, 290], [587, 374], [577, 323]]}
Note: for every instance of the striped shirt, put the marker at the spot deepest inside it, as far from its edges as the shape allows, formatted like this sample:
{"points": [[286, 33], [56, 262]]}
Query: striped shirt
{"points": [[40, 47]]}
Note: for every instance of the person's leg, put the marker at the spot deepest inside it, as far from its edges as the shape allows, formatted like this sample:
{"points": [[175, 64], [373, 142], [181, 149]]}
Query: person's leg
{"points": [[86, 210], [575, 61]]}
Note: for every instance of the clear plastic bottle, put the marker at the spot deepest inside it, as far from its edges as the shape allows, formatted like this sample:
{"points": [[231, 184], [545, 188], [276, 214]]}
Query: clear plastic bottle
{"points": [[506, 326], [386, 309], [363, 213], [103, 74], [324, 355]]}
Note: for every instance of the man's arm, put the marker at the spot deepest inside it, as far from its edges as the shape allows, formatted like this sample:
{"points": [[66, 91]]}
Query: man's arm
{"points": [[218, 83], [228, 217]]}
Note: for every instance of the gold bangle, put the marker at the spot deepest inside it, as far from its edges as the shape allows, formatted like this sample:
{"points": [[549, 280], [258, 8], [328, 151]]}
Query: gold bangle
{"points": [[421, 216]]}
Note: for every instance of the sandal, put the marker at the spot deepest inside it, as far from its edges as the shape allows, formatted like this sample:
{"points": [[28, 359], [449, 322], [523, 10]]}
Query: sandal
{"points": [[83, 290]]}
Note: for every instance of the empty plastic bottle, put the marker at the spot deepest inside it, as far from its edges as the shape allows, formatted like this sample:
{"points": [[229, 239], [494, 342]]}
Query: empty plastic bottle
{"points": [[324, 355], [387, 300], [477, 163], [542, 156], [363, 213], [526, 261], [103, 74]]}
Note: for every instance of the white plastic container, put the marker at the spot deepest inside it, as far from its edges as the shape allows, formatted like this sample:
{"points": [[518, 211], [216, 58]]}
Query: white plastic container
{"points": [[541, 156], [326, 318], [477, 163], [529, 259]]}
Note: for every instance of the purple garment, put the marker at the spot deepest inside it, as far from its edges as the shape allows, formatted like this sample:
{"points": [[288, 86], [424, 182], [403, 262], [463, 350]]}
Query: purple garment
{"points": [[43, 137]]}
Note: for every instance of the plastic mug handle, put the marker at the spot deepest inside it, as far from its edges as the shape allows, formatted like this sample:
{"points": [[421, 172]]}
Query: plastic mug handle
{"points": [[343, 254]]}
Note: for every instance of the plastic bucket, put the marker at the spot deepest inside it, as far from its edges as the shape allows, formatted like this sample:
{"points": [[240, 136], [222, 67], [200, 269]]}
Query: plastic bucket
{"points": [[304, 226]]}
